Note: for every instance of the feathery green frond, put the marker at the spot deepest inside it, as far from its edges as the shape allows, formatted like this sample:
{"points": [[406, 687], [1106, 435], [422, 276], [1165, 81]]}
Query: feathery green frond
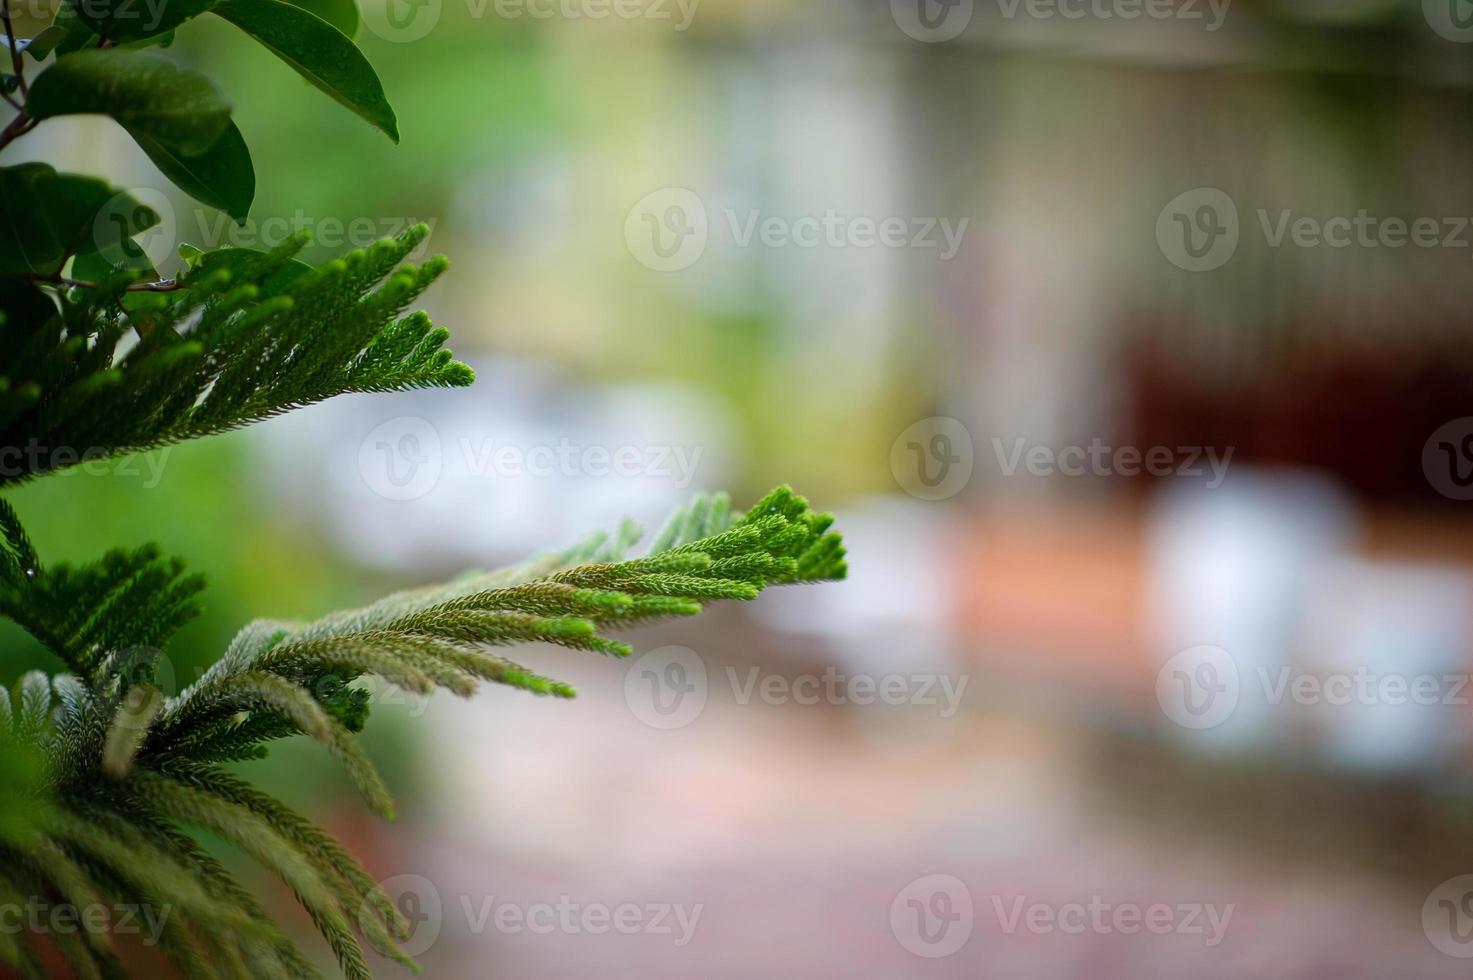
{"points": [[245, 336], [128, 768]]}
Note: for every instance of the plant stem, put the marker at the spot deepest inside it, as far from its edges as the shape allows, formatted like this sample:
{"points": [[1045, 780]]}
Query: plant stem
{"points": [[17, 127], [15, 59], [56, 279]]}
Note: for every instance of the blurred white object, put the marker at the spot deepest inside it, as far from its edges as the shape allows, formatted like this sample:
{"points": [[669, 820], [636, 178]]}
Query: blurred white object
{"points": [[1394, 639], [523, 462], [1231, 569], [894, 611]]}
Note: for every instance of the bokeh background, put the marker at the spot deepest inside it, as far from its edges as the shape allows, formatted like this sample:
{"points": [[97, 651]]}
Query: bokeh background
{"points": [[1127, 338]]}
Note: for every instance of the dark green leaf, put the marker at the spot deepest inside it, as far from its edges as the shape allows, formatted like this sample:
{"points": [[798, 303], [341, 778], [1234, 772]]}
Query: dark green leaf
{"points": [[342, 14], [43, 43], [164, 40], [142, 91], [70, 34], [46, 216], [221, 176], [318, 51], [26, 308], [133, 20]]}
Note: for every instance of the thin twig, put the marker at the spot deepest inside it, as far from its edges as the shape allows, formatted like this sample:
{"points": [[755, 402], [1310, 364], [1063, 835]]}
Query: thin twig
{"points": [[161, 286], [17, 127], [15, 59]]}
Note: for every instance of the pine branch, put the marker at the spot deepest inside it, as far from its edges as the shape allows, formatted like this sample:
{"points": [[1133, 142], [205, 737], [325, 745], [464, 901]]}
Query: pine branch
{"points": [[129, 602], [124, 770], [245, 336]]}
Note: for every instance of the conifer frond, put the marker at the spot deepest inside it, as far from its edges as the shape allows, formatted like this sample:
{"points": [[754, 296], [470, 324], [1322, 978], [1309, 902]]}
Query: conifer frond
{"points": [[98, 370], [127, 770], [128, 600]]}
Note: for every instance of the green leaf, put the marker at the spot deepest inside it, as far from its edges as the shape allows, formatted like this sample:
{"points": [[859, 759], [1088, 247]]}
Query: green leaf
{"points": [[318, 51], [46, 216], [43, 43], [164, 40], [26, 310], [133, 20], [342, 14], [221, 176], [142, 91], [74, 35]]}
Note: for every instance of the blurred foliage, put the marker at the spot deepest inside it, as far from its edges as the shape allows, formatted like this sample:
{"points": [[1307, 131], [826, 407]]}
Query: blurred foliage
{"points": [[206, 508]]}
